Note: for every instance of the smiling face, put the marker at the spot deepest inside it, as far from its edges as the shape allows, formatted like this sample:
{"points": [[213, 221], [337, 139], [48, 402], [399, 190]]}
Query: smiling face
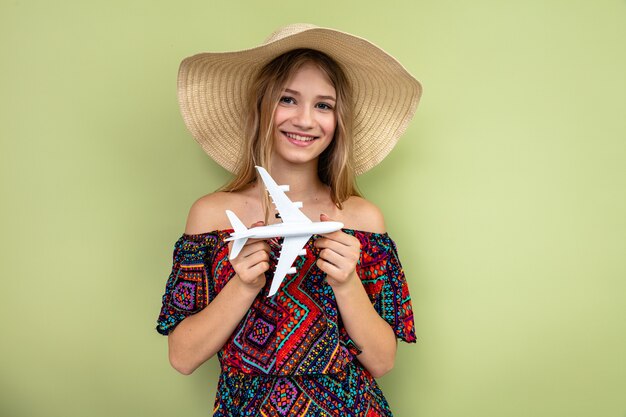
{"points": [[305, 117]]}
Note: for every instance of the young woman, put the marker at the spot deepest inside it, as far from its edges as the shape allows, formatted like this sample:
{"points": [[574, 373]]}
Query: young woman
{"points": [[315, 107]]}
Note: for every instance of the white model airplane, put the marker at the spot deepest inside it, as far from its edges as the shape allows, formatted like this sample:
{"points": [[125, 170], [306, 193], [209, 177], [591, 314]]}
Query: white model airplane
{"points": [[296, 228]]}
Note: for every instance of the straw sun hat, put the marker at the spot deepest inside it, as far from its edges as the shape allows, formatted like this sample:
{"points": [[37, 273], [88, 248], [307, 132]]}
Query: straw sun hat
{"points": [[212, 90]]}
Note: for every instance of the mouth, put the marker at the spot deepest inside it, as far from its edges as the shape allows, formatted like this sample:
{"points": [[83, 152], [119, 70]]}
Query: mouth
{"points": [[300, 137]]}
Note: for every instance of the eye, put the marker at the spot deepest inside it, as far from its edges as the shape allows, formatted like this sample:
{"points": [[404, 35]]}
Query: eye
{"points": [[324, 106], [287, 100]]}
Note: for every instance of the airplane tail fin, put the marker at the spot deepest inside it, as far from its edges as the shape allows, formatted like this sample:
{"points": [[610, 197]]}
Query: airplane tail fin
{"points": [[238, 227]]}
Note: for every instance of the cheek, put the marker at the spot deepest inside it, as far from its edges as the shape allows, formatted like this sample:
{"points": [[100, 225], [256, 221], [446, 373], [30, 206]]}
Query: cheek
{"points": [[279, 116], [330, 125]]}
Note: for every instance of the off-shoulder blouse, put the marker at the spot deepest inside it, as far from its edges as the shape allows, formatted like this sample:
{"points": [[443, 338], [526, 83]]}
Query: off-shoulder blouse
{"points": [[295, 337]]}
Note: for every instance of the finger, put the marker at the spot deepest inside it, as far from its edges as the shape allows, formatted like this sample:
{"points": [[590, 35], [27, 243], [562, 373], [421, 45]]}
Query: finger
{"points": [[338, 248], [325, 218], [257, 224], [258, 246], [259, 268], [327, 267], [250, 275], [335, 244], [338, 235], [333, 257], [349, 254], [257, 257], [342, 237], [252, 249]]}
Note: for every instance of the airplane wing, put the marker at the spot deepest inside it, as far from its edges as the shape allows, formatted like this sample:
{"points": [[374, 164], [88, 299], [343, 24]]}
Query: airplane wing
{"points": [[288, 211], [292, 245]]}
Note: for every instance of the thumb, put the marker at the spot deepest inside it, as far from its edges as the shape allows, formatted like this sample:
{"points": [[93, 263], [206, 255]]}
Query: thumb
{"points": [[325, 218]]}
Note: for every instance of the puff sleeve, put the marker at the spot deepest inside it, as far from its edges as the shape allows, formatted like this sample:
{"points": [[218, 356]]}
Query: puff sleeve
{"points": [[189, 287], [383, 278]]}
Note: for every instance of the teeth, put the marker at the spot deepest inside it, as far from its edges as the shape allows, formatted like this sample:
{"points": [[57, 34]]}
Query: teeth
{"points": [[300, 138]]}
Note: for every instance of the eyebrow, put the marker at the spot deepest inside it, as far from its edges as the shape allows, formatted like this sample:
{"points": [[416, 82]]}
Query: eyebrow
{"points": [[294, 92]]}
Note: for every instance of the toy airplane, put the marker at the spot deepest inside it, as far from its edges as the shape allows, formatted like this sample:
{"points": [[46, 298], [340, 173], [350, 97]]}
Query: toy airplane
{"points": [[296, 228]]}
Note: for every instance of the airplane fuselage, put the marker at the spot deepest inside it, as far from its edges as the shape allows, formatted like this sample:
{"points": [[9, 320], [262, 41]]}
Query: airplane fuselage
{"points": [[290, 229], [296, 228]]}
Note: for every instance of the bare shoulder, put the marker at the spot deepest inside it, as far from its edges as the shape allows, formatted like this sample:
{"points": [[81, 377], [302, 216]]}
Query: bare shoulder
{"points": [[207, 213], [360, 214]]}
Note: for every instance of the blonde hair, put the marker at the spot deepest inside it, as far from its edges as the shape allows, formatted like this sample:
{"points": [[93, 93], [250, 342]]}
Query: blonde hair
{"points": [[336, 163]]}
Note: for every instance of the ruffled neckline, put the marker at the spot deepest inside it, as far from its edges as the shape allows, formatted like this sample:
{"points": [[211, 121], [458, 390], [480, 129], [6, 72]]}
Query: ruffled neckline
{"points": [[230, 230]]}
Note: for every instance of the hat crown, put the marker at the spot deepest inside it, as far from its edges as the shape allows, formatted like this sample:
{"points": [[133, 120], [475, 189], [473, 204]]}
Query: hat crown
{"points": [[289, 30]]}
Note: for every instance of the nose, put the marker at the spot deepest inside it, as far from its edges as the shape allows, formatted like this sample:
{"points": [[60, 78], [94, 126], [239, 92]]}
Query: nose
{"points": [[303, 118]]}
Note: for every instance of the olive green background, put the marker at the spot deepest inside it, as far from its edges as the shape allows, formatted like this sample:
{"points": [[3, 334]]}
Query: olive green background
{"points": [[506, 198]]}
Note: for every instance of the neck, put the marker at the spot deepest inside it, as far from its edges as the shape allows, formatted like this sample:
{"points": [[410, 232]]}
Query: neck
{"points": [[303, 180]]}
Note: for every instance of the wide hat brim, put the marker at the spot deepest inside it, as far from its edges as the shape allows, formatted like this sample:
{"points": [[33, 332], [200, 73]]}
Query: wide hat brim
{"points": [[213, 86]]}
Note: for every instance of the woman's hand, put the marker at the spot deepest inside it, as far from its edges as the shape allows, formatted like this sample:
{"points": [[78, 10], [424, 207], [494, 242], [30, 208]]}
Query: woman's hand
{"points": [[339, 255], [252, 262]]}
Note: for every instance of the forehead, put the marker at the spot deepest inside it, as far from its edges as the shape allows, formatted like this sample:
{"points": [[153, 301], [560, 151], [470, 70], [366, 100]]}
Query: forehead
{"points": [[310, 76]]}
